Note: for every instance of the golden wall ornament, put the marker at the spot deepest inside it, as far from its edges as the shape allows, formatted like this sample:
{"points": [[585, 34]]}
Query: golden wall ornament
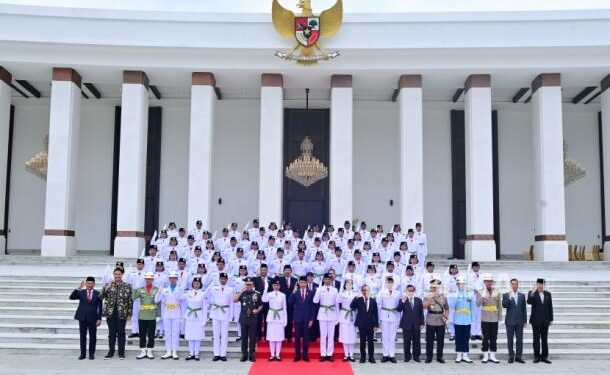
{"points": [[306, 169], [307, 29], [39, 163]]}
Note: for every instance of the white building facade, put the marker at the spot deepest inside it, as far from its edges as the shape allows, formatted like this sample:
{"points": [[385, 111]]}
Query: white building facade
{"points": [[519, 85]]}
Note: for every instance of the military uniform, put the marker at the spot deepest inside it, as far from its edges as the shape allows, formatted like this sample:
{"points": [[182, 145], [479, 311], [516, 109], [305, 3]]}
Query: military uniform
{"points": [[251, 304]]}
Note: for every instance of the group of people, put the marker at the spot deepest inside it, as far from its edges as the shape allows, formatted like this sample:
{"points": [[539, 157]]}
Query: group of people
{"points": [[328, 285]]}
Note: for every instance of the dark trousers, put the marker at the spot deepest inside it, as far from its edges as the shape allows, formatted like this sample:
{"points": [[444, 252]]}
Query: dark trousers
{"points": [[435, 333], [261, 330], [248, 335], [116, 329], [462, 337], [540, 335], [366, 339], [147, 329], [511, 332], [411, 336], [490, 336], [301, 335], [83, 328], [288, 328]]}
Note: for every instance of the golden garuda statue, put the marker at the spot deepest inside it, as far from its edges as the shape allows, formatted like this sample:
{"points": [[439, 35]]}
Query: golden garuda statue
{"points": [[307, 28]]}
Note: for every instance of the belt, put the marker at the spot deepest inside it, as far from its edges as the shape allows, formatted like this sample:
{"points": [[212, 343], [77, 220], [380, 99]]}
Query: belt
{"points": [[148, 307], [435, 312], [171, 306], [221, 307], [276, 312], [328, 307], [389, 309], [463, 311], [490, 308], [192, 311], [348, 313]]}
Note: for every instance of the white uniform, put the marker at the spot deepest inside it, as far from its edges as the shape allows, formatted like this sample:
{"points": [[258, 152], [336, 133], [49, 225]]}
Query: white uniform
{"points": [[327, 297], [136, 279], [476, 283], [195, 317], [387, 302], [170, 312], [347, 317], [422, 246], [277, 318], [237, 283], [221, 301]]}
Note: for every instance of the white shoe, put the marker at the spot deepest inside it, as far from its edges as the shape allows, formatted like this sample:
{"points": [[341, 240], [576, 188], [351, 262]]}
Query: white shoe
{"points": [[465, 358], [167, 355], [458, 358], [485, 357], [174, 354], [142, 354], [492, 357], [149, 354]]}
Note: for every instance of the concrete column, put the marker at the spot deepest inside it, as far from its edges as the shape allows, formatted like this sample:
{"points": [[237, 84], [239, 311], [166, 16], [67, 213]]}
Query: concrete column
{"points": [[341, 149], [64, 125], [203, 102], [129, 240], [605, 104], [549, 199], [5, 118], [480, 241], [411, 151], [271, 162]]}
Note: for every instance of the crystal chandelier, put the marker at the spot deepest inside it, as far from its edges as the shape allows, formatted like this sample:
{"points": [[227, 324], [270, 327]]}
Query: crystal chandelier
{"points": [[306, 169], [572, 171], [38, 164]]}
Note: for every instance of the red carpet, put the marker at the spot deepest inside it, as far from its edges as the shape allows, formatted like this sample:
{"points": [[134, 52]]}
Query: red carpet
{"points": [[263, 367]]}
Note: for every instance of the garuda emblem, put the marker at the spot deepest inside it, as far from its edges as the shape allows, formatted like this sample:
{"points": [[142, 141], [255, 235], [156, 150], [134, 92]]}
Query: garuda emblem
{"points": [[307, 29]]}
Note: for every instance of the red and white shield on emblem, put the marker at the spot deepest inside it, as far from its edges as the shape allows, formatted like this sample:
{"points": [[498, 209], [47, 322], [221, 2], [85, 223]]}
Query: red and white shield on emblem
{"points": [[307, 30]]}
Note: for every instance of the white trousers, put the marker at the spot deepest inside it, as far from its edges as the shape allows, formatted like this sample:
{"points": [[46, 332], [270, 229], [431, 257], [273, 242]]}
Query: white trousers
{"points": [[388, 338], [349, 350], [275, 348], [172, 333], [134, 316], [221, 337], [475, 327], [327, 338]]}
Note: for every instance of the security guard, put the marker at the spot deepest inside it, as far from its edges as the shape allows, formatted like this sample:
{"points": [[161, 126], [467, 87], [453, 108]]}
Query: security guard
{"points": [[251, 305]]}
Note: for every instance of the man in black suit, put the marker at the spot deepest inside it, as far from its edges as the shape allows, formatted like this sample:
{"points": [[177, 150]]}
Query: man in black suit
{"points": [[88, 314], [261, 283], [367, 321], [301, 301], [287, 285], [515, 320], [314, 331], [541, 317], [411, 322]]}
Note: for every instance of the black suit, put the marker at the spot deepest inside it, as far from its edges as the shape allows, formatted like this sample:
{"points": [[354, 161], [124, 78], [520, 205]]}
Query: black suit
{"points": [[366, 321], [411, 320], [303, 313], [314, 331], [259, 286], [515, 319], [541, 317], [286, 287], [88, 314]]}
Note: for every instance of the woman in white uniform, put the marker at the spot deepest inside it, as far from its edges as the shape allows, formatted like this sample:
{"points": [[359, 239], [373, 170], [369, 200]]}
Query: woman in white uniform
{"points": [[276, 319], [195, 316], [347, 316]]}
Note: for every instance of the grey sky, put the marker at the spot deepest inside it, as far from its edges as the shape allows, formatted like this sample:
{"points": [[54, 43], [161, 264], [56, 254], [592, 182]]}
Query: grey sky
{"points": [[351, 6]]}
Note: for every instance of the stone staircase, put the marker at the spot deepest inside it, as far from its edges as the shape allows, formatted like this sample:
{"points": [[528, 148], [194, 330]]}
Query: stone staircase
{"points": [[36, 314]]}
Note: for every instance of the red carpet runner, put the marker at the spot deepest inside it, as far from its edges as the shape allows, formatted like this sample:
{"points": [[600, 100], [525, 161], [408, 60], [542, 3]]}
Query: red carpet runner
{"points": [[264, 367]]}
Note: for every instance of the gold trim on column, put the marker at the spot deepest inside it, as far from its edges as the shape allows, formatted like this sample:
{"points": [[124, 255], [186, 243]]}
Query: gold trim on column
{"points": [[136, 77], [59, 232], [550, 237], [6, 76], [341, 80], [546, 79], [272, 80]]}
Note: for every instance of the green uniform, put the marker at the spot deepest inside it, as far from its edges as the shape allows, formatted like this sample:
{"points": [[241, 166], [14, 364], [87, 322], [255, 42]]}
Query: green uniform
{"points": [[249, 321], [149, 310]]}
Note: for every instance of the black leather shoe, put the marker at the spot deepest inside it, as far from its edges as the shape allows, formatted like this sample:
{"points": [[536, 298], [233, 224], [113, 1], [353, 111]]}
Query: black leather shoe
{"points": [[440, 360], [330, 358], [216, 358], [416, 359], [519, 360], [392, 359], [108, 356], [223, 359], [451, 338], [91, 357], [189, 358], [384, 359], [537, 360], [322, 359], [182, 337], [407, 359], [252, 359], [545, 360], [305, 358], [372, 360], [133, 335], [297, 359], [428, 360], [362, 360], [238, 339], [81, 357]]}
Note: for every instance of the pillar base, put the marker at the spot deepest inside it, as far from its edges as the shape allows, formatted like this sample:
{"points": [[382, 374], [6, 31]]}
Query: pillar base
{"points": [[480, 250], [551, 251], [607, 251], [58, 246], [128, 247]]}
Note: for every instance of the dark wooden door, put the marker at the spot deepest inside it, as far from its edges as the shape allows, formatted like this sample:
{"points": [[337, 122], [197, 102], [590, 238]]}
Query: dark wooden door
{"points": [[458, 177], [153, 173], [305, 206]]}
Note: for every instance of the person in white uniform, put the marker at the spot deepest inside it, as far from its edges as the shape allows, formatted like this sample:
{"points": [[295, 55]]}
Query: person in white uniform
{"points": [[221, 300], [195, 317], [327, 297], [169, 298], [422, 242], [475, 284], [347, 317], [387, 302], [136, 279], [277, 318]]}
